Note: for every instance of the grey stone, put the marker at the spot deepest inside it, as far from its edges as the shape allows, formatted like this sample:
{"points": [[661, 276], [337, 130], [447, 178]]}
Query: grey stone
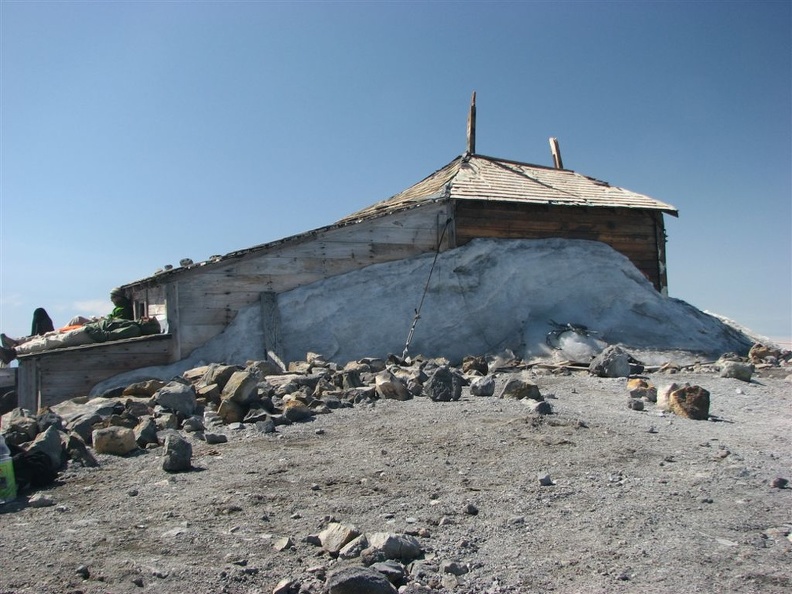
{"points": [[483, 386], [635, 404], [354, 547], [218, 374], [267, 426], [736, 370], [393, 570], [146, 432], [193, 424], [443, 385], [178, 454], [454, 568], [50, 443], [177, 397], [358, 580], [613, 361], [83, 425], [396, 546], [539, 407], [214, 438]]}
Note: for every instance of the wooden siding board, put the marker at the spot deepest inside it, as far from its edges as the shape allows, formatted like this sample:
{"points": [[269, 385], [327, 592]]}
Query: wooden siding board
{"points": [[632, 233], [65, 373]]}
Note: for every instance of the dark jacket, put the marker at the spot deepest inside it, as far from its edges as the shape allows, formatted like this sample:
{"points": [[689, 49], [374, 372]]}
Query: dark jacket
{"points": [[41, 322]]}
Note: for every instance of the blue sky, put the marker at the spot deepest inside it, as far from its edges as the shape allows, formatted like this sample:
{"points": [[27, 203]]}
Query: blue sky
{"points": [[135, 134]]}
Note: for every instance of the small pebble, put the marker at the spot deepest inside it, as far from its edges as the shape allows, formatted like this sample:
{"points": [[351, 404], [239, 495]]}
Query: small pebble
{"points": [[40, 500], [545, 480], [83, 572], [779, 483]]}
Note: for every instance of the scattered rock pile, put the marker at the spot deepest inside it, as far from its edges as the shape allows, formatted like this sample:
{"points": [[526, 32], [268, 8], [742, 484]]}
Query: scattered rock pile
{"points": [[208, 403]]}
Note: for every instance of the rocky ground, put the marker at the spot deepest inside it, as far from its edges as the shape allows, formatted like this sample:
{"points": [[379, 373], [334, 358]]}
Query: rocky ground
{"points": [[629, 501]]}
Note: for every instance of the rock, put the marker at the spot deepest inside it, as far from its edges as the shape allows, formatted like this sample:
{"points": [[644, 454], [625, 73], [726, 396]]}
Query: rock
{"points": [[118, 441], [83, 425], [391, 387], [518, 389], [231, 412], [538, 407], [286, 586], [265, 368], [47, 418], [396, 546], [613, 361], [267, 426], [146, 432], [454, 568], [78, 451], [147, 388], [545, 480], [21, 423], [736, 370], [166, 420], [635, 404], [41, 500], [193, 424], [393, 570], [214, 438], [336, 535], [691, 402], [779, 483], [483, 386], [296, 411], [177, 397], [51, 443], [470, 509], [240, 388], [178, 454], [475, 364], [358, 580], [642, 389], [218, 374], [759, 353], [443, 385], [664, 393], [283, 544], [354, 547]]}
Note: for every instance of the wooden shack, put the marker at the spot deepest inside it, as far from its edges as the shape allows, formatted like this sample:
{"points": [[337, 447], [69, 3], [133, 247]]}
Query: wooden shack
{"points": [[472, 196]]}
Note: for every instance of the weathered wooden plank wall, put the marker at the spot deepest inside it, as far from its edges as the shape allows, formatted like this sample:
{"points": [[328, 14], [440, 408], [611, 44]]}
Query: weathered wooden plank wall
{"points": [[57, 375], [631, 232], [209, 297]]}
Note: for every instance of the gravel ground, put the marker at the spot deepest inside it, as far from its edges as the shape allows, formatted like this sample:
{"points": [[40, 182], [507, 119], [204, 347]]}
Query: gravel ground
{"points": [[640, 502]]}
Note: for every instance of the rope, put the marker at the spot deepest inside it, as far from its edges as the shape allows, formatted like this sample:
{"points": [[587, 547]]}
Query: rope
{"points": [[423, 296]]}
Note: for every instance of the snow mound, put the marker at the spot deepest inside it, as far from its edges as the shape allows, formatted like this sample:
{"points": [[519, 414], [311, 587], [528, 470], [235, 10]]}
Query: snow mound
{"points": [[491, 295]]}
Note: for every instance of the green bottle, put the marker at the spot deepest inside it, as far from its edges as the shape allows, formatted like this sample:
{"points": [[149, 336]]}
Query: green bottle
{"points": [[8, 490]]}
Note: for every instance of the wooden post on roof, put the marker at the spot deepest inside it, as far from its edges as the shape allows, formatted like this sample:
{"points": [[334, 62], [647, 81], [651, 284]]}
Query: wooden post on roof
{"points": [[555, 150], [471, 126]]}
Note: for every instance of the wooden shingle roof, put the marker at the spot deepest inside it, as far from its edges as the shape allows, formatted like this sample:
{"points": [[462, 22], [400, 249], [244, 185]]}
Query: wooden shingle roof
{"points": [[478, 177]]}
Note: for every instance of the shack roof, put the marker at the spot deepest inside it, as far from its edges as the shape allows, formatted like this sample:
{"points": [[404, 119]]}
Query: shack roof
{"points": [[472, 177], [478, 177]]}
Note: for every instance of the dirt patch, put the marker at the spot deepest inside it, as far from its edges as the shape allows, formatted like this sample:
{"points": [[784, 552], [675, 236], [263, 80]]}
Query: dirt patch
{"points": [[639, 502]]}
